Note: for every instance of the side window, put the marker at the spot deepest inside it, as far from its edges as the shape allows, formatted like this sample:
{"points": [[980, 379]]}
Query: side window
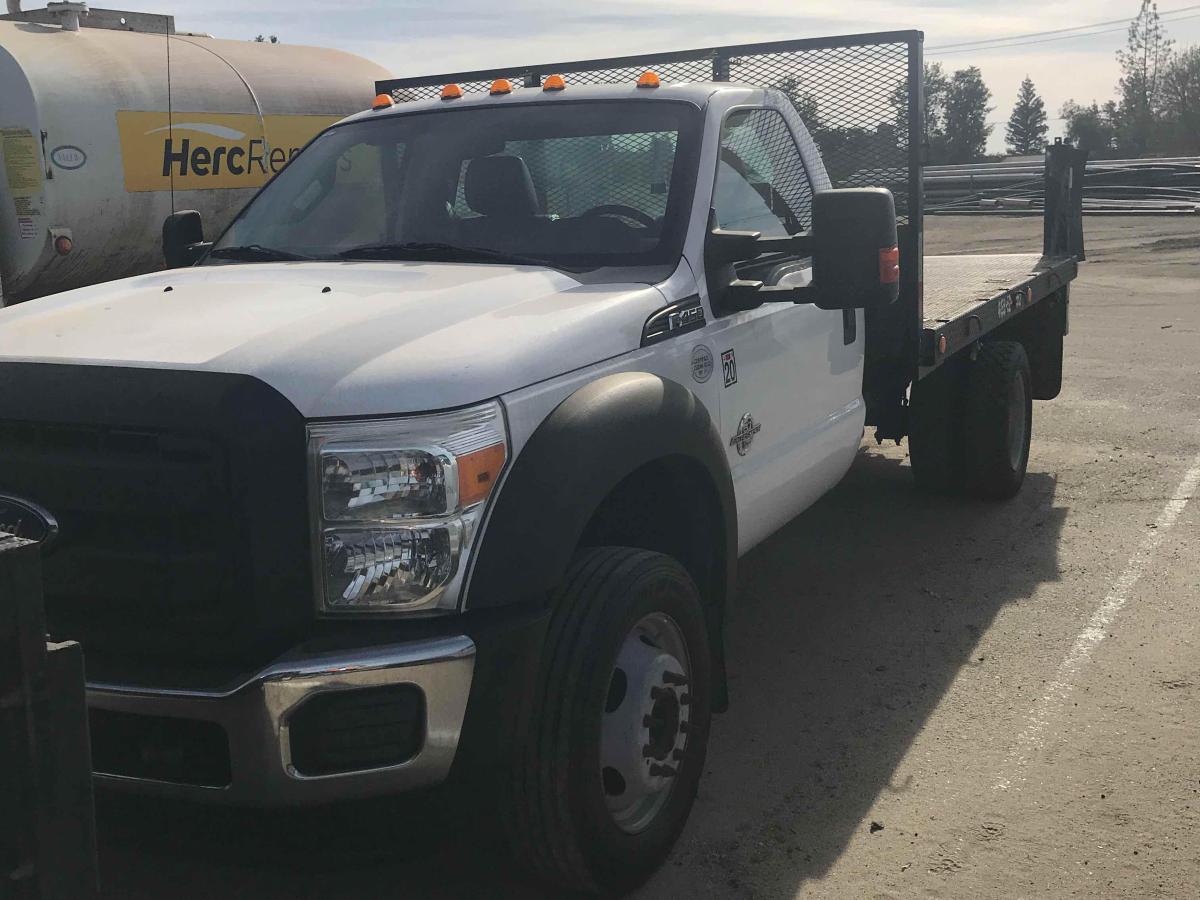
{"points": [[761, 181]]}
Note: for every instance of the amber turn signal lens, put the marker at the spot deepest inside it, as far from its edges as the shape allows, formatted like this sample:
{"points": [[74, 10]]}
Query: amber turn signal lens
{"points": [[383, 101], [451, 92], [889, 265], [501, 86], [478, 472], [554, 83], [648, 80]]}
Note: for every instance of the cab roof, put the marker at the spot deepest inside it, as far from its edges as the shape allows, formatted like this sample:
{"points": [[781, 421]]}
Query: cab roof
{"points": [[695, 92]]}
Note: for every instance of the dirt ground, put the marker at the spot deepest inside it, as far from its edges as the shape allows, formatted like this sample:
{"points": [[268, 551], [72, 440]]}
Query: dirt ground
{"points": [[931, 698]]}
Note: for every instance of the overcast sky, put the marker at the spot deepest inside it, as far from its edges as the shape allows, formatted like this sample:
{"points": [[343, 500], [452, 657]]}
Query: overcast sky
{"points": [[414, 37]]}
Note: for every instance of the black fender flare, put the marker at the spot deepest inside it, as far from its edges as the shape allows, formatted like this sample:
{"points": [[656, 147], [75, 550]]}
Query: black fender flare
{"points": [[591, 442]]}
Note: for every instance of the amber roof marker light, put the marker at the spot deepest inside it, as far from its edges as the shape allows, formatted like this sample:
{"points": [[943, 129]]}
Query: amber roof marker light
{"points": [[500, 86], [382, 101], [451, 92], [554, 83], [649, 79]]}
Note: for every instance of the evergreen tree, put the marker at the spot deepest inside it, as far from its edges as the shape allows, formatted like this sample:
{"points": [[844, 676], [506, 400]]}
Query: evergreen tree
{"points": [[1026, 132], [965, 116], [1143, 61], [1181, 104]]}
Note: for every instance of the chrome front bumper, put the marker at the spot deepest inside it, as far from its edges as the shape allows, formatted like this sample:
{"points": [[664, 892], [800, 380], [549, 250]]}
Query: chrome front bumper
{"points": [[255, 717]]}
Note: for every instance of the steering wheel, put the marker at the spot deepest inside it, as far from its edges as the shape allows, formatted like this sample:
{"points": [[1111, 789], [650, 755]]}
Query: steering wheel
{"points": [[624, 212]]}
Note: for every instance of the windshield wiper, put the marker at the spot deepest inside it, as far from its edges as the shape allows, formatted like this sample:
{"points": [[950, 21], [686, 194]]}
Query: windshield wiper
{"points": [[449, 252], [256, 253]]}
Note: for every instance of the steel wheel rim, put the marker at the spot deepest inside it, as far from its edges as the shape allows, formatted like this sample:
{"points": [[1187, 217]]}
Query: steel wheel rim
{"points": [[644, 724], [1016, 422]]}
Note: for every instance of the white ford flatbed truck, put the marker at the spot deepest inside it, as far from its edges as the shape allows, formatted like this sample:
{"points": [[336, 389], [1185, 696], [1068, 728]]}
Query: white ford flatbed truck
{"points": [[439, 461]]}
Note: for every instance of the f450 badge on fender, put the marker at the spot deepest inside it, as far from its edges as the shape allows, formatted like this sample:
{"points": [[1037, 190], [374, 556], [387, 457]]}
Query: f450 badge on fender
{"points": [[744, 437]]}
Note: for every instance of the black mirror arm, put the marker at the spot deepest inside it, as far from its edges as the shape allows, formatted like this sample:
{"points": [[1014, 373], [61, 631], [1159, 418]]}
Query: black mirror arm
{"points": [[794, 245], [726, 247], [741, 294]]}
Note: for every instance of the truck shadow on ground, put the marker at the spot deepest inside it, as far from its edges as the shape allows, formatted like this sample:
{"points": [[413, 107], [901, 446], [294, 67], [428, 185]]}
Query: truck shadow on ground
{"points": [[851, 624]]}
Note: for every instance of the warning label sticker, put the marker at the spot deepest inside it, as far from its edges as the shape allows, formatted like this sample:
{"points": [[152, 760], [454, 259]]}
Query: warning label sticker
{"points": [[22, 161], [25, 228]]}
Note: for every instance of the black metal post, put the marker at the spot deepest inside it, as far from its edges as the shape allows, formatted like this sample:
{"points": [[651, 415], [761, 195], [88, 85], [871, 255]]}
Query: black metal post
{"points": [[47, 828]]}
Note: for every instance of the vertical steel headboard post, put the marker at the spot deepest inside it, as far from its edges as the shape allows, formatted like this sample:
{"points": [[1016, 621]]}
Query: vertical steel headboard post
{"points": [[912, 270], [720, 67]]}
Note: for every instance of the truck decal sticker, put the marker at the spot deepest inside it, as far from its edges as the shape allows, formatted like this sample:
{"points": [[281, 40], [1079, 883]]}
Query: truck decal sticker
{"points": [[198, 151], [744, 436], [729, 367], [702, 363]]}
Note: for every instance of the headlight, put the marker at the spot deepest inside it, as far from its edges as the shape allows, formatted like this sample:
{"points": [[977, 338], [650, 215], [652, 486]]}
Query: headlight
{"points": [[397, 503]]}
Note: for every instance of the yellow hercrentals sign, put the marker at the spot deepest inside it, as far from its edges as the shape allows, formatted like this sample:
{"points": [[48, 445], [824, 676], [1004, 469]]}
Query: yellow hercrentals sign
{"points": [[198, 151]]}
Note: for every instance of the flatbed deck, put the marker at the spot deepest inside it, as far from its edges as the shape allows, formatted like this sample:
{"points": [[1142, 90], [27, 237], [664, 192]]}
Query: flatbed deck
{"points": [[967, 296]]}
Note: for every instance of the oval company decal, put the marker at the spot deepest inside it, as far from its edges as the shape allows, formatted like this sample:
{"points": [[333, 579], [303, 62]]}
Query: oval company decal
{"points": [[27, 520], [702, 363], [68, 157]]}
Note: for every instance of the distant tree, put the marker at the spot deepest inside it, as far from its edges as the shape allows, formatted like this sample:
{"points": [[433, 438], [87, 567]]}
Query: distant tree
{"points": [[1181, 103], [1144, 61], [266, 40], [1026, 131], [1090, 128], [936, 85], [806, 104], [965, 121]]}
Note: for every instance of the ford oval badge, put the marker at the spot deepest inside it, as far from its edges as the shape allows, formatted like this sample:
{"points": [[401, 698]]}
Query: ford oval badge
{"points": [[27, 520]]}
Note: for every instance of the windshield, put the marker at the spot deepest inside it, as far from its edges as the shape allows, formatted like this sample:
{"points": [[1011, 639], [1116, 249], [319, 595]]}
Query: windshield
{"points": [[578, 184]]}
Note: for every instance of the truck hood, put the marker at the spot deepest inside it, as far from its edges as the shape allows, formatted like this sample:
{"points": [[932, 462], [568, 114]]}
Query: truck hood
{"points": [[343, 339]]}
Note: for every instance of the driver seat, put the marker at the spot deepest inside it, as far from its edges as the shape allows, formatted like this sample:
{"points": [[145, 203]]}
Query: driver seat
{"points": [[501, 190]]}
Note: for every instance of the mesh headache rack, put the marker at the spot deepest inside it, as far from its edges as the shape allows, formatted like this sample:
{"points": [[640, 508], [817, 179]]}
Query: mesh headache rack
{"points": [[860, 96]]}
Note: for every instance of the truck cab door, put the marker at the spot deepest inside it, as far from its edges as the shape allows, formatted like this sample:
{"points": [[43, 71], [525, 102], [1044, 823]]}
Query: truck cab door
{"points": [[791, 408]]}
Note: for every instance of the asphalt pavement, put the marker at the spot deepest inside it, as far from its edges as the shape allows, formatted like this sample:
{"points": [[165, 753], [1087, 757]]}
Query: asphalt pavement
{"points": [[931, 697]]}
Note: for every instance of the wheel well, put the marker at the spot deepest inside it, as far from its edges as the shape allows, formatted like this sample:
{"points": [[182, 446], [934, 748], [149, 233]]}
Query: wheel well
{"points": [[1040, 331], [670, 506]]}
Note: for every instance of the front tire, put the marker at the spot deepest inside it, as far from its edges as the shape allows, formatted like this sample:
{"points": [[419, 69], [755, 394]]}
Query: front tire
{"points": [[607, 773]]}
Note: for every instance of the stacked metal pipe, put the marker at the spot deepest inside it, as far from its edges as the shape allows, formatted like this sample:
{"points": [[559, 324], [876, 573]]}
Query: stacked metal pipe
{"points": [[1111, 186]]}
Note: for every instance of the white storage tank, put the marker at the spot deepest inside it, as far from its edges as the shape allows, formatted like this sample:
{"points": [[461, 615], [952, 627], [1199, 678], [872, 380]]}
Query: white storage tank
{"points": [[109, 121]]}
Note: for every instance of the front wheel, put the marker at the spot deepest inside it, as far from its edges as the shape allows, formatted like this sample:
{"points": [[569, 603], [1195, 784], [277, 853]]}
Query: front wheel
{"points": [[607, 773]]}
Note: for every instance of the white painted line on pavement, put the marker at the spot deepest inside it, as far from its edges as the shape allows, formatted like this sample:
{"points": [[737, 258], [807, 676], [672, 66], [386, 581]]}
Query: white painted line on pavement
{"points": [[1033, 738]]}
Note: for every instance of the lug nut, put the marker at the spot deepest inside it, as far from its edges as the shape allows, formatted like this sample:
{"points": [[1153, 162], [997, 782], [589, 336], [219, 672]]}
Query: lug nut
{"points": [[657, 693], [663, 771], [685, 699], [674, 678]]}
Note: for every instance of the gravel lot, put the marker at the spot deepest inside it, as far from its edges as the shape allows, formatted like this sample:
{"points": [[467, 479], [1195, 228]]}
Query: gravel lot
{"points": [[931, 698]]}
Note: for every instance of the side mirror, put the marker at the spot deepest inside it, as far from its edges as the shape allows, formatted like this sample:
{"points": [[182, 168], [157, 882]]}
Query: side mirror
{"points": [[183, 239], [856, 260]]}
